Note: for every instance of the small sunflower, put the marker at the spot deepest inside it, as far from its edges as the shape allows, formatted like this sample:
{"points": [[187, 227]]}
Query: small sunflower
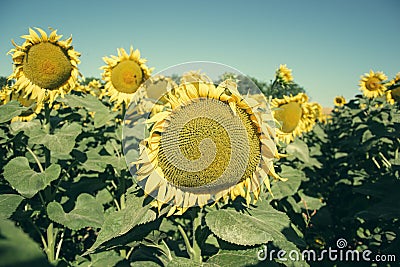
{"points": [[7, 94], [45, 67], [372, 84], [284, 74], [393, 95], [195, 76], [124, 74], [295, 116], [94, 87], [151, 94], [207, 144], [339, 101]]}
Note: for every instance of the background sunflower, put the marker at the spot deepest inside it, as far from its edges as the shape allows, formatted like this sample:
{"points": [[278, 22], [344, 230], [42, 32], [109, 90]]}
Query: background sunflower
{"points": [[45, 66], [295, 116], [371, 84], [124, 74]]}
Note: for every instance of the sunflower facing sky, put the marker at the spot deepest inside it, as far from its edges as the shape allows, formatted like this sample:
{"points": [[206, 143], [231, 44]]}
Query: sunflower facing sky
{"points": [[45, 66], [295, 115], [124, 74], [284, 74], [339, 101], [371, 84], [207, 144]]}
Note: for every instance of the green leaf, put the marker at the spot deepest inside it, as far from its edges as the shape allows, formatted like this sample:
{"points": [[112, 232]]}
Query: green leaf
{"points": [[105, 258], [8, 204], [121, 222], [144, 264], [93, 104], [242, 229], [311, 203], [289, 187], [87, 213], [10, 110], [25, 180], [17, 249], [247, 257], [26, 126], [62, 141], [95, 161], [367, 135], [299, 149], [3, 136], [182, 262]]}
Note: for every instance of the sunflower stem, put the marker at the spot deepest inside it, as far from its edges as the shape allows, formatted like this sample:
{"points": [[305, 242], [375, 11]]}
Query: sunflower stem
{"points": [[51, 242], [197, 225], [123, 111], [47, 127], [189, 248]]}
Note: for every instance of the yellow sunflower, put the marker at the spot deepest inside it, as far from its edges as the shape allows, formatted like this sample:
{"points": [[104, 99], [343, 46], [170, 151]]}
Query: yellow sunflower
{"points": [[339, 101], [94, 87], [284, 74], [295, 116], [124, 74], [7, 94], [45, 66], [207, 144], [393, 95], [195, 76], [372, 84], [151, 94]]}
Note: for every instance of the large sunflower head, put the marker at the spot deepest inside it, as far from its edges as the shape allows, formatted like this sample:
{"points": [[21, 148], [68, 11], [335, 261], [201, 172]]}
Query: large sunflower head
{"points": [[124, 74], [8, 94], [295, 115], [45, 66], [371, 84], [284, 74], [207, 143], [339, 101]]}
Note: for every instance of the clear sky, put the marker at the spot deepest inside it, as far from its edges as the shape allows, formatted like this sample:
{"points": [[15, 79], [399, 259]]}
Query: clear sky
{"points": [[328, 44]]}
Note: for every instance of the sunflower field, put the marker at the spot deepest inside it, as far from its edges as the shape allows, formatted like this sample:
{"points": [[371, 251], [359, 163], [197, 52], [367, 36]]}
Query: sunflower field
{"points": [[187, 169]]}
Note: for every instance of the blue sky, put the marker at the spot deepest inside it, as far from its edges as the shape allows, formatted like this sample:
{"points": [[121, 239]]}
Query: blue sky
{"points": [[328, 44]]}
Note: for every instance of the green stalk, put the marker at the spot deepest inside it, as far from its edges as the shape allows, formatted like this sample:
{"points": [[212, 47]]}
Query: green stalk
{"points": [[47, 128], [51, 243], [47, 155], [195, 243], [189, 248]]}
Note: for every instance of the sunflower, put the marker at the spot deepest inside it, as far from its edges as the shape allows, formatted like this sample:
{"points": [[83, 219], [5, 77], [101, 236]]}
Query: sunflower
{"points": [[94, 87], [393, 90], [151, 94], [7, 94], [45, 66], [195, 76], [207, 144], [124, 74], [371, 84], [295, 116], [393, 95], [339, 101], [284, 74]]}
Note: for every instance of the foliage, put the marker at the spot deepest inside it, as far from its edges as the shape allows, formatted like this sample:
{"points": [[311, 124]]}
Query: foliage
{"points": [[66, 193]]}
